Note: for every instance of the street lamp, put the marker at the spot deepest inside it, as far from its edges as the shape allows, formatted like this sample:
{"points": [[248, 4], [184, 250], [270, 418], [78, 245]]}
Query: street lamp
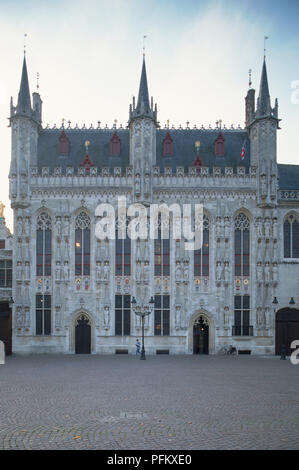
{"points": [[142, 310]]}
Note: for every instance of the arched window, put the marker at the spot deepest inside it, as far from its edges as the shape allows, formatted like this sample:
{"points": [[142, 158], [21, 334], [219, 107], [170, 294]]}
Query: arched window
{"points": [[167, 145], [63, 144], [242, 238], [162, 253], [201, 257], [291, 236], [219, 145], [115, 145], [43, 244], [82, 245], [122, 254]]}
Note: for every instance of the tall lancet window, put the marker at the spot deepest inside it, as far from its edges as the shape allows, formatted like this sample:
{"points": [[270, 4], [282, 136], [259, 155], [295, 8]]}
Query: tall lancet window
{"points": [[291, 236], [162, 252], [43, 244], [82, 244], [122, 253], [201, 257], [242, 244]]}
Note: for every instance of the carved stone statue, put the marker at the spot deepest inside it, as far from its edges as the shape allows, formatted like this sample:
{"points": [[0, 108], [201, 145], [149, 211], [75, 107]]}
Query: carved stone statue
{"points": [[226, 271], [106, 271], [146, 184], [19, 271], [263, 186], [137, 184], [267, 272], [178, 272], [66, 271], [259, 272], [98, 270], [218, 271], [267, 226]]}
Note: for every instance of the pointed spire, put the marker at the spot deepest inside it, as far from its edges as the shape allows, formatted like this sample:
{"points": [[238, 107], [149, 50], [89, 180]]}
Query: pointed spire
{"points": [[143, 105], [24, 101], [143, 108], [264, 104]]}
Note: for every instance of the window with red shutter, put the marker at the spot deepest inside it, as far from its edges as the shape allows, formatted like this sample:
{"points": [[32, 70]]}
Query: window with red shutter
{"points": [[167, 145], [63, 144], [219, 145], [115, 145]]}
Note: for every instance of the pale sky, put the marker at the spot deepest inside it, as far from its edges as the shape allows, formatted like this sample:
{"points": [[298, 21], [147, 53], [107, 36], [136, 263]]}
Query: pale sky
{"points": [[198, 53]]}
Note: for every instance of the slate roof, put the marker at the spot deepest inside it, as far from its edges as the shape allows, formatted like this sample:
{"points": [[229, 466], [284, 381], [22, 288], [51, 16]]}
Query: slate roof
{"points": [[184, 152], [288, 176]]}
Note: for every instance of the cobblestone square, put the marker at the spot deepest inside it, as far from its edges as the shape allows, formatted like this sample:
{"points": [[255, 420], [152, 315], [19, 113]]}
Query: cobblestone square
{"points": [[165, 402]]}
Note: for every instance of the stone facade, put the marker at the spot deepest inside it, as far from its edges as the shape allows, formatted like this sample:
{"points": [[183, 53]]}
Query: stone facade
{"points": [[53, 192]]}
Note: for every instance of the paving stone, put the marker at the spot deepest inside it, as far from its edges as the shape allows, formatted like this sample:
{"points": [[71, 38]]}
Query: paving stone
{"points": [[165, 402]]}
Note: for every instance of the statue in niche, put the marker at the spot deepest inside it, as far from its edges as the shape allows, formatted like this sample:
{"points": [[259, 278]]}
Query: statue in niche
{"points": [[226, 316], [98, 270], [275, 249], [273, 185], [275, 228], [263, 186], [66, 271], [177, 319], [107, 316], [27, 317], [227, 227], [58, 271], [275, 272], [106, 271], [19, 271], [137, 184], [226, 271], [27, 271], [218, 271], [260, 231], [218, 226], [58, 225], [19, 227], [138, 270], [66, 228], [267, 227], [146, 270], [146, 184], [267, 272], [178, 272], [27, 226], [186, 272], [259, 272]]}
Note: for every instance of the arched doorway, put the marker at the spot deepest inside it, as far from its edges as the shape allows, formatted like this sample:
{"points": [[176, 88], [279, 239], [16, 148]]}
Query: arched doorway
{"points": [[286, 329], [201, 336], [82, 335]]}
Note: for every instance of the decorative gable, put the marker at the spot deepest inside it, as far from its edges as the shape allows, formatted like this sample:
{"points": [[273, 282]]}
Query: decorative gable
{"points": [[115, 145], [87, 163], [167, 145], [63, 144], [219, 145], [198, 164]]}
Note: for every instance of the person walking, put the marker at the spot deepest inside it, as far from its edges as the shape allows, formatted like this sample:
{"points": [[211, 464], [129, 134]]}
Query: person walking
{"points": [[137, 347]]}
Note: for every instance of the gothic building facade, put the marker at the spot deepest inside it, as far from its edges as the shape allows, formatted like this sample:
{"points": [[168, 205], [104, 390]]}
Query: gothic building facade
{"points": [[73, 292]]}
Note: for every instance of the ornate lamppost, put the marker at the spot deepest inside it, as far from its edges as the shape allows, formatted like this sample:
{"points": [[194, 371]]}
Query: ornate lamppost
{"points": [[142, 310]]}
